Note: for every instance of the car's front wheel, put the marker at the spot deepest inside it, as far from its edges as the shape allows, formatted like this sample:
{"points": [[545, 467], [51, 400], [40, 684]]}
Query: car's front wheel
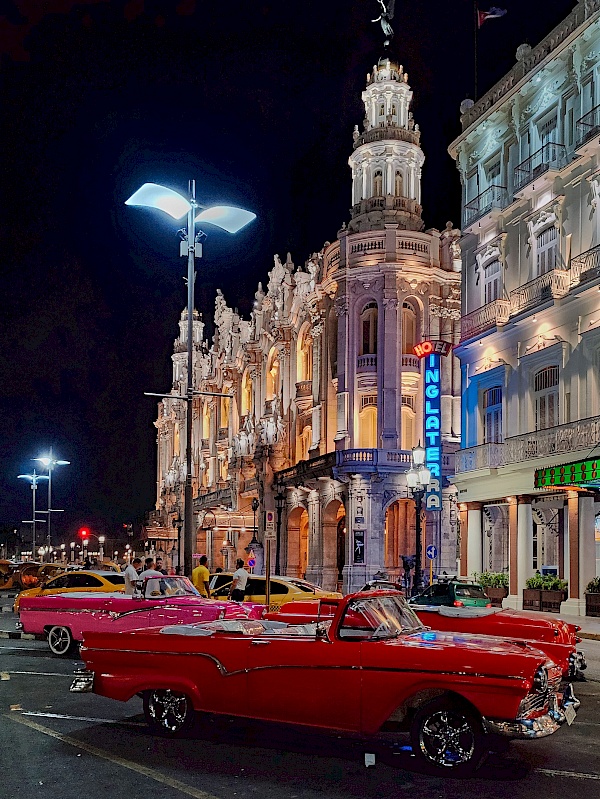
{"points": [[168, 713], [448, 737], [60, 640]]}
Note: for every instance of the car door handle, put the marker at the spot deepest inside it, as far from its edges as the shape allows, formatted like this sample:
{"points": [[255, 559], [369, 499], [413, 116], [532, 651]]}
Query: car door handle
{"points": [[259, 642]]}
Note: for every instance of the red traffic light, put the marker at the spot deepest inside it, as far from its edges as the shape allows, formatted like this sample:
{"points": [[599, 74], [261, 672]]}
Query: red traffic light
{"points": [[84, 533]]}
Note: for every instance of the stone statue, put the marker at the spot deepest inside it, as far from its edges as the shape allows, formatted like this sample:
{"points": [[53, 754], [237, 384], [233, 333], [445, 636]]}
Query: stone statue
{"points": [[385, 17]]}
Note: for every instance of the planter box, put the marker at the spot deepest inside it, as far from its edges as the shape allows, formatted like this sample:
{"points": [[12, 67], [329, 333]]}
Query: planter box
{"points": [[496, 595], [592, 604], [532, 599], [551, 601]]}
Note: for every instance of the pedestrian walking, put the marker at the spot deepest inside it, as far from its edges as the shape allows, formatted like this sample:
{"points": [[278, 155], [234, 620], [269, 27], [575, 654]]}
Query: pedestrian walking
{"points": [[201, 577], [239, 582]]}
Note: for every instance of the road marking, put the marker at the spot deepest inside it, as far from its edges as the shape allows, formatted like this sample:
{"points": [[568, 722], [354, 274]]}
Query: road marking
{"points": [[82, 718], [120, 761], [578, 775]]}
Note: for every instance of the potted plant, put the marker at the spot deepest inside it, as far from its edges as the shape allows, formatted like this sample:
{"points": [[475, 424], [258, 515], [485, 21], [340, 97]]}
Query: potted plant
{"points": [[495, 585], [532, 593], [592, 597], [554, 591]]}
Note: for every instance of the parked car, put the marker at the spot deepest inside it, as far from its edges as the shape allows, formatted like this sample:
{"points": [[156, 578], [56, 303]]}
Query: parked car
{"points": [[449, 692], [63, 618], [556, 638], [454, 593], [283, 589], [88, 580]]}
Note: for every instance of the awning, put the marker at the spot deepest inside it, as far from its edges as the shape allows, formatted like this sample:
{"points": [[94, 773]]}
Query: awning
{"points": [[579, 474]]}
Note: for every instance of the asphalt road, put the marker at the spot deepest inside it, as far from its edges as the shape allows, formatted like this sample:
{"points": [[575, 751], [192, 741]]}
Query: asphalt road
{"points": [[54, 743]]}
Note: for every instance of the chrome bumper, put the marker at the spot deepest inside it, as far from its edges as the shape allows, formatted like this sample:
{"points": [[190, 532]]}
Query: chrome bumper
{"points": [[83, 682], [577, 665], [18, 625], [541, 726]]}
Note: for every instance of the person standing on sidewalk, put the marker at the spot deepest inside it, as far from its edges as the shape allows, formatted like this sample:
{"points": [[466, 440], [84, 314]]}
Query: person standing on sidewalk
{"points": [[201, 577], [239, 582], [131, 575]]}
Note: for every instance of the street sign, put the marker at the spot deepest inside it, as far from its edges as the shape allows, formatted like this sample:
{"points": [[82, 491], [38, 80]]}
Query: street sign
{"points": [[252, 562], [431, 552]]}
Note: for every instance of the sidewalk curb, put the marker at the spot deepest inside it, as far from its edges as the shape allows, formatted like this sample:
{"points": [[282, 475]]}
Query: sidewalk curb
{"points": [[589, 636], [21, 636]]}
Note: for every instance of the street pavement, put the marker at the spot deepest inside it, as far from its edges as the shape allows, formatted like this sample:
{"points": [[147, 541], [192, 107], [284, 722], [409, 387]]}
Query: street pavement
{"points": [[54, 743]]}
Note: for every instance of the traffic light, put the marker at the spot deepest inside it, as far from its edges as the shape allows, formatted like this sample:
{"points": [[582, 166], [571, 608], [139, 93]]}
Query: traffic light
{"points": [[128, 529], [84, 534]]}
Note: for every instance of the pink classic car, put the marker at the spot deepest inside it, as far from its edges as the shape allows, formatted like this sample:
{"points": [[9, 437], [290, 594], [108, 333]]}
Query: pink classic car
{"points": [[64, 618]]}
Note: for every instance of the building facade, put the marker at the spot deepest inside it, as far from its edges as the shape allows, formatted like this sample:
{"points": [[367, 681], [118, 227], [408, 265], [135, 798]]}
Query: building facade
{"points": [[529, 162], [326, 391]]}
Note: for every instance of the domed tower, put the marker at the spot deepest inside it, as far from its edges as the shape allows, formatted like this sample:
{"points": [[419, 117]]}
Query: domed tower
{"points": [[387, 159]]}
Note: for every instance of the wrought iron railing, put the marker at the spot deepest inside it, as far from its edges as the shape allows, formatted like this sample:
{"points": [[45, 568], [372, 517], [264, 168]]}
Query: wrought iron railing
{"points": [[588, 126], [492, 197], [583, 434], [550, 156], [493, 314], [585, 266], [555, 283]]}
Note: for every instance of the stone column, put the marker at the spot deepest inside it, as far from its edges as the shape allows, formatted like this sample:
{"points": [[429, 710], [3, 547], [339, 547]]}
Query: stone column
{"points": [[314, 570], [520, 548], [474, 541], [581, 550], [389, 374]]}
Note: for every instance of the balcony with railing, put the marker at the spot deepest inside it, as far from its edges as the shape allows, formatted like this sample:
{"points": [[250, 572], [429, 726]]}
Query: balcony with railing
{"points": [[304, 389], [582, 435], [410, 363], [544, 163], [487, 204], [586, 129], [366, 363], [552, 285], [585, 266], [494, 314]]}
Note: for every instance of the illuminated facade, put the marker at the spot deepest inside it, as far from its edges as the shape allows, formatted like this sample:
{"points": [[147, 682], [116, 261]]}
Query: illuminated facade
{"points": [[327, 394], [529, 160]]}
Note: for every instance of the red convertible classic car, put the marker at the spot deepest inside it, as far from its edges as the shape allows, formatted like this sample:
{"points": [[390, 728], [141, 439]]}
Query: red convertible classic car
{"points": [[556, 638], [63, 618], [372, 670]]}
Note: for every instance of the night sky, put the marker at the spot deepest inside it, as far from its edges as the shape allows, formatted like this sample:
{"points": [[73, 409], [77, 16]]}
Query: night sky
{"points": [[257, 102]]}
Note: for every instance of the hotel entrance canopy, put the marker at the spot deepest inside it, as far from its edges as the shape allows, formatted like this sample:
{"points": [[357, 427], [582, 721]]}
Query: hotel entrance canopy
{"points": [[579, 474]]}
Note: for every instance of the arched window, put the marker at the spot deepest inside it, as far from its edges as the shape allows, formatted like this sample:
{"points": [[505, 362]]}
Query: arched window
{"points": [[304, 442], [225, 405], [273, 378], [368, 327], [398, 184], [206, 421], [492, 419], [304, 353], [378, 183], [545, 388], [176, 440], [246, 394], [492, 273], [381, 109], [393, 110], [409, 328], [409, 423], [367, 426]]}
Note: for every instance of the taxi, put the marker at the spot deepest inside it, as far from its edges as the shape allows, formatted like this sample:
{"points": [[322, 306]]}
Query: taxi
{"points": [[283, 589], [85, 580]]}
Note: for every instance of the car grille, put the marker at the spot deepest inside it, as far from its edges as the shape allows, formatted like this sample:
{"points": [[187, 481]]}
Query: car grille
{"points": [[535, 701]]}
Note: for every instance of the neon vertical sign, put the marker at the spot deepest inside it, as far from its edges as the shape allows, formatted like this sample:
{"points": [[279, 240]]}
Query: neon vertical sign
{"points": [[433, 431]]}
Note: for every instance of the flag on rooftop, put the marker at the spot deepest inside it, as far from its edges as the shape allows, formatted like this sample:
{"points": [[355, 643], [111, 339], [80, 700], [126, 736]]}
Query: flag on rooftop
{"points": [[493, 13]]}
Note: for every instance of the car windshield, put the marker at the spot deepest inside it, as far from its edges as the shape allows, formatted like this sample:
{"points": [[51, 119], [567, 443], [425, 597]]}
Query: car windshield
{"points": [[470, 591], [378, 617], [303, 585], [168, 587]]}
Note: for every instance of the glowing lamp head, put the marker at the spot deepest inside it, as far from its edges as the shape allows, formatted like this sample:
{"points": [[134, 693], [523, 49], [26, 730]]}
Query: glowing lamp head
{"points": [[424, 475], [418, 455], [412, 478], [152, 195], [226, 217]]}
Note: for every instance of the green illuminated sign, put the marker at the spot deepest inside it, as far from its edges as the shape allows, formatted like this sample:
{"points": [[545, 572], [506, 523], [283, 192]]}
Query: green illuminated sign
{"points": [[569, 474]]}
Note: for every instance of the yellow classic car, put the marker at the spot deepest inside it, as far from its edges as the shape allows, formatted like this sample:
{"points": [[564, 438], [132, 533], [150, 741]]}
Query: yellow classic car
{"points": [[86, 580], [283, 589]]}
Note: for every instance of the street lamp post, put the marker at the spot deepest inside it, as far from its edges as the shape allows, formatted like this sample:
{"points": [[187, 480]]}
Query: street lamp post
{"points": [[151, 195], [72, 545], [34, 480], [279, 506], [418, 478], [101, 540], [50, 462]]}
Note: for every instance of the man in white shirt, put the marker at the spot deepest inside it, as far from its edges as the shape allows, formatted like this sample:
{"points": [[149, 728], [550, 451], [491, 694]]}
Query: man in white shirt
{"points": [[239, 582], [131, 575], [153, 586]]}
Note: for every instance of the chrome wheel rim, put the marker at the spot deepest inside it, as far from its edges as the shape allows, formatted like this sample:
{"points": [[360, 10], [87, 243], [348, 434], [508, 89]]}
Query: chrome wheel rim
{"points": [[447, 739], [59, 640], [168, 710]]}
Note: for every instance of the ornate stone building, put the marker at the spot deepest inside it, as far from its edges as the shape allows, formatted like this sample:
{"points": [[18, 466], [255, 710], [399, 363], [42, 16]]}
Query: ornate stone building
{"points": [[529, 161], [327, 395]]}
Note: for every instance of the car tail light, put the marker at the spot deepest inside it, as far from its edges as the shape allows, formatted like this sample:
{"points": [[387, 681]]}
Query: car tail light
{"points": [[489, 605], [577, 628], [458, 603]]}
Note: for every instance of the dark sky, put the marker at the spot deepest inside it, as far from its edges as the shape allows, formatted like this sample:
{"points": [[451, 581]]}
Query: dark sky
{"points": [[256, 101]]}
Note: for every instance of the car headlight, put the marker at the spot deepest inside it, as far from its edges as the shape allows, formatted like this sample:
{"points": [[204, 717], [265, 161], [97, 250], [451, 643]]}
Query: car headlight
{"points": [[540, 680]]}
